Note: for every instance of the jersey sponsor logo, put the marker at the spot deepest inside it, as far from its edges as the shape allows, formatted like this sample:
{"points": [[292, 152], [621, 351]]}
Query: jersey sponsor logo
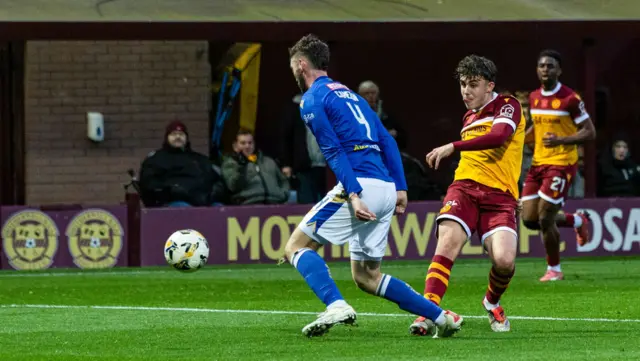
{"points": [[555, 104], [538, 119], [507, 111], [335, 86], [95, 239], [475, 131], [30, 240], [366, 146]]}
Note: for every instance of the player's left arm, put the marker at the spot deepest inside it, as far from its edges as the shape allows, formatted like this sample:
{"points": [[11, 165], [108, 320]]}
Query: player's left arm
{"points": [[391, 156], [316, 118], [586, 129]]}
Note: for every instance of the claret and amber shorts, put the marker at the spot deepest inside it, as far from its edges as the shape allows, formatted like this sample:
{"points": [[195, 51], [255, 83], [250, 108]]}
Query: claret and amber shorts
{"points": [[549, 182], [480, 208]]}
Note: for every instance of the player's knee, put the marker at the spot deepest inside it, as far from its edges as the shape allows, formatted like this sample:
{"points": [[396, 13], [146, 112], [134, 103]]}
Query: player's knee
{"points": [[504, 262], [366, 282], [546, 222], [532, 224], [292, 246]]}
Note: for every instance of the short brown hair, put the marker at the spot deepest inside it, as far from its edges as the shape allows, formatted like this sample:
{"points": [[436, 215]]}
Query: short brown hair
{"points": [[475, 66], [314, 49], [243, 131]]}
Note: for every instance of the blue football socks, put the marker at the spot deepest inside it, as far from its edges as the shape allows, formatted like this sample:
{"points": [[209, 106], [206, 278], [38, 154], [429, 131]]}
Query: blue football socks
{"points": [[316, 273], [408, 299]]}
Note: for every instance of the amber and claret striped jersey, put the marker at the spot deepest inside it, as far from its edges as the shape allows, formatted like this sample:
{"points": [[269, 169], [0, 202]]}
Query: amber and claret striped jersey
{"points": [[499, 167], [559, 112]]}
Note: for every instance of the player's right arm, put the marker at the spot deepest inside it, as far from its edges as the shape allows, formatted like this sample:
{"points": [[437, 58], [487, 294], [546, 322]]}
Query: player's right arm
{"points": [[530, 137], [504, 125], [393, 161], [313, 113]]}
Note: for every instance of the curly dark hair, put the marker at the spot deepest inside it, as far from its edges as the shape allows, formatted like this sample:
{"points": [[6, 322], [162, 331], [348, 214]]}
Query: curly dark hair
{"points": [[475, 66], [314, 49], [551, 54]]}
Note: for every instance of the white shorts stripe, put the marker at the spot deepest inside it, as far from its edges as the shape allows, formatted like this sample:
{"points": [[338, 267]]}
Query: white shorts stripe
{"points": [[551, 200], [332, 220], [467, 230], [496, 230], [529, 197]]}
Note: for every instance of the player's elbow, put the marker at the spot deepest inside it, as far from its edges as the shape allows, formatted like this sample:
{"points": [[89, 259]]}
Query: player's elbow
{"points": [[331, 153], [500, 140], [591, 134]]}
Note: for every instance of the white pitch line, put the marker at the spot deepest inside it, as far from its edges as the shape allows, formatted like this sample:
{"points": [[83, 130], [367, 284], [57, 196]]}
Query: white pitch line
{"points": [[277, 312], [12, 274]]}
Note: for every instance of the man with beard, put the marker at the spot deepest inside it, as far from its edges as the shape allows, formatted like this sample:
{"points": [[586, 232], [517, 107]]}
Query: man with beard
{"points": [[176, 176], [366, 161]]}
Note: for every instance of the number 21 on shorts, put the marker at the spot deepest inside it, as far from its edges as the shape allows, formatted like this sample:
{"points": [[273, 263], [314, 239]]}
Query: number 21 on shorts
{"points": [[558, 184]]}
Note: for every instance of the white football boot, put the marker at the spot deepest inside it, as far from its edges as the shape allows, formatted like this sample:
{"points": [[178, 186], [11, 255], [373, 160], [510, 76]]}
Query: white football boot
{"points": [[327, 319]]}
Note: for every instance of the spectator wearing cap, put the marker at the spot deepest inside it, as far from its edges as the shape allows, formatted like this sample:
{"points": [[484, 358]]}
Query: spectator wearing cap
{"points": [[176, 176]]}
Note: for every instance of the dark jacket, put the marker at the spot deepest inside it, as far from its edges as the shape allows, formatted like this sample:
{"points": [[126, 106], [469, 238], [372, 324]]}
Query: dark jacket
{"points": [[618, 178], [293, 147], [421, 187], [390, 123], [170, 175], [261, 182]]}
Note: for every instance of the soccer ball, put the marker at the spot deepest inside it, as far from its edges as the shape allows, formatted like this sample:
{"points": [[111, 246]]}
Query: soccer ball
{"points": [[186, 250]]}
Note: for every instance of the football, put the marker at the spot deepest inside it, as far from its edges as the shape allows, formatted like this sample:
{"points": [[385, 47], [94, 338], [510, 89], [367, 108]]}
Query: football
{"points": [[186, 250]]}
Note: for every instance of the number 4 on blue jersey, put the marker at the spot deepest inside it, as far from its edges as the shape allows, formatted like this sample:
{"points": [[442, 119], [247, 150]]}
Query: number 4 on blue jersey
{"points": [[351, 136]]}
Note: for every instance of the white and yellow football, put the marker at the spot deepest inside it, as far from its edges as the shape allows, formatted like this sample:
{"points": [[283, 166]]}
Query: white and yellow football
{"points": [[186, 250]]}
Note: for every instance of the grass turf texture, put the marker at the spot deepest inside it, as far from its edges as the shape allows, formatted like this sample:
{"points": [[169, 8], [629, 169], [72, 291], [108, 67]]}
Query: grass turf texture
{"points": [[300, 10], [594, 288]]}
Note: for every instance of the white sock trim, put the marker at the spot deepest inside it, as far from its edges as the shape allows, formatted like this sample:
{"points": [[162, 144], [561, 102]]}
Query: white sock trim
{"points": [[577, 221], [440, 320], [488, 305], [296, 256], [382, 286], [337, 303], [555, 268]]}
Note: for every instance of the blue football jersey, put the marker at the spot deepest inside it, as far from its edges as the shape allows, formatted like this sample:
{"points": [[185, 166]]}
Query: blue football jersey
{"points": [[351, 136]]}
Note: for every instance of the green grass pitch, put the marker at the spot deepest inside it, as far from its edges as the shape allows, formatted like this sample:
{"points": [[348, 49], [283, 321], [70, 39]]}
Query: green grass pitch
{"points": [[257, 312]]}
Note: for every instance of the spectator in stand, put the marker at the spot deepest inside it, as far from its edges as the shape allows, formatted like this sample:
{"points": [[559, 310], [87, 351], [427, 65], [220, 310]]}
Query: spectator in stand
{"points": [[371, 93], [577, 186], [303, 162], [618, 175], [527, 153], [418, 180], [252, 177], [176, 176]]}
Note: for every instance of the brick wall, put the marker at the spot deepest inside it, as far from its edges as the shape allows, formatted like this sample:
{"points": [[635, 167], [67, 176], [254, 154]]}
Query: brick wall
{"points": [[139, 86]]}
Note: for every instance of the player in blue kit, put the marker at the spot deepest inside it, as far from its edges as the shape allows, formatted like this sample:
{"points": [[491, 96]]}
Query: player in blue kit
{"points": [[367, 164]]}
